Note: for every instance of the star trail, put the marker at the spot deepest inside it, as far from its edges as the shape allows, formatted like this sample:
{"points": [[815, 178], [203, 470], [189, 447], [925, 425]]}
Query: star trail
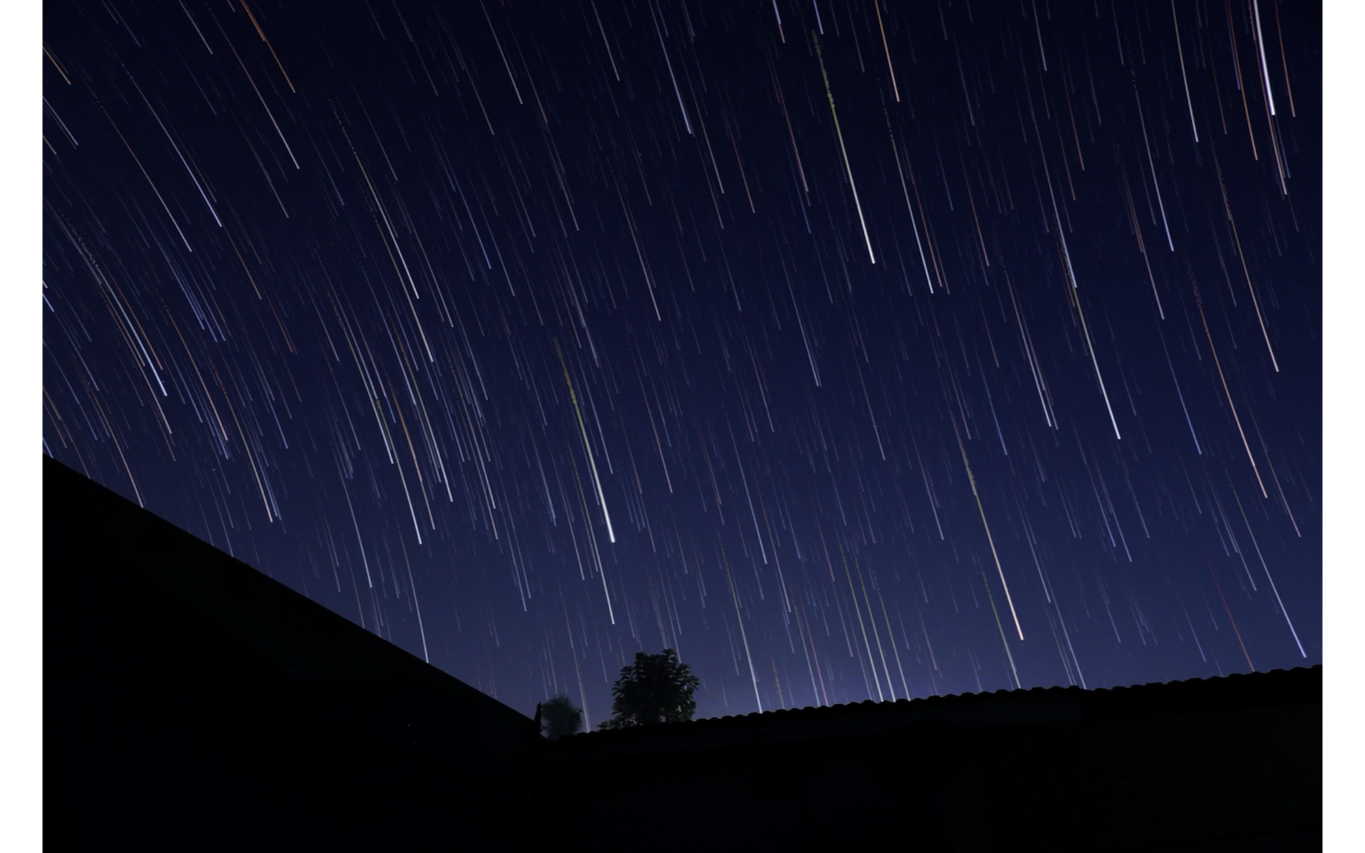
{"points": [[855, 350]]}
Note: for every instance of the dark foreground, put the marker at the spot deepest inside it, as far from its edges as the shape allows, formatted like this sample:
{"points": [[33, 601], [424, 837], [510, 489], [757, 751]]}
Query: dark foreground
{"points": [[193, 703]]}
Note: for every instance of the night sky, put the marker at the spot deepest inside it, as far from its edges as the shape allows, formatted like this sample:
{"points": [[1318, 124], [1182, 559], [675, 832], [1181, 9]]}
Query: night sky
{"points": [[853, 350]]}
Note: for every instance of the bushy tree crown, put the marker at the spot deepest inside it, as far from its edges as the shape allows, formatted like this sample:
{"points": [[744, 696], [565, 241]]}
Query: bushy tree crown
{"points": [[653, 689]]}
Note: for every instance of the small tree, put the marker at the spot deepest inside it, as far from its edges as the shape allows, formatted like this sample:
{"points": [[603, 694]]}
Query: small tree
{"points": [[654, 689], [559, 717]]}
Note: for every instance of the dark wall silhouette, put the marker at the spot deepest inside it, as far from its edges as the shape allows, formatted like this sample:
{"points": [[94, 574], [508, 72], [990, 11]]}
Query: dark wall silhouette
{"points": [[1229, 764], [192, 703]]}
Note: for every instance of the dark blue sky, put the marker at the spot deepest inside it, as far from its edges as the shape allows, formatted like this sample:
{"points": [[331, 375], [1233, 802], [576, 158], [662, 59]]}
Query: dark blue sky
{"points": [[838, 346]]}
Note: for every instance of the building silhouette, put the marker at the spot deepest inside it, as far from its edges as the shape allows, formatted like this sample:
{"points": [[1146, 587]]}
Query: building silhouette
{"points": [[193, 703]]}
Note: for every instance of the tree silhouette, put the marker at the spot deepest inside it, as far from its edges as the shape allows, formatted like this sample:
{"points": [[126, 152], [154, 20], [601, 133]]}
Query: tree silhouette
{"points": [[559, 717], [654, 689]]}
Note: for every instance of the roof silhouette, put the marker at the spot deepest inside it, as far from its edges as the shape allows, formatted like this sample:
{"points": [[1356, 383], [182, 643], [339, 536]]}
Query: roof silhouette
{"points": [[1214, 764], [194, 703], [1029, 706]]}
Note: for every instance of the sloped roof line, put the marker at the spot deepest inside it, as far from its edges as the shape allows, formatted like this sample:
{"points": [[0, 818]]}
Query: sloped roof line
{"points": [[292, 634], [1005, 706]]}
